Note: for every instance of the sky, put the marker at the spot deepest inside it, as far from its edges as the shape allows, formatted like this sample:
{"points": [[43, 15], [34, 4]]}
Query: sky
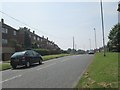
{"points": [[60, 21]]}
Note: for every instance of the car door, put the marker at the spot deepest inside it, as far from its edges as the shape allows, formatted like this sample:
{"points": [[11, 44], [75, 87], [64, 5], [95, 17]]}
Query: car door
{"points": [[30, 56], [35, 56]]}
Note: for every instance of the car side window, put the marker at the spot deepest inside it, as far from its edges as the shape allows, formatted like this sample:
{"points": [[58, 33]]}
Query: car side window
{"points": [[30, 53], [35, 53]]}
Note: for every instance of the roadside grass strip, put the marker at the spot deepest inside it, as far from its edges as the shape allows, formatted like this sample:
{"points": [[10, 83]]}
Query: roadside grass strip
{"points": [[4, 66], [47, 57], [102, 73]]}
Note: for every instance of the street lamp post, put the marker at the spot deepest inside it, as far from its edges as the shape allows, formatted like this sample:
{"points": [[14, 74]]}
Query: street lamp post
{"points": [[102, 26]]}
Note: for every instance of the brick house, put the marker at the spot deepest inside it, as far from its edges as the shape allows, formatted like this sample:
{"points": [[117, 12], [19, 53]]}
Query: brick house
{"points": [[39, 42], [13, 40], [9, 36]]}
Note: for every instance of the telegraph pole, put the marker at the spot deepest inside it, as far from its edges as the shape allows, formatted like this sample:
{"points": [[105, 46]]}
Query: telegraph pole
{"points": [[73, 44], [95, 39], [90, 43], [75, 47], [102, 26]]}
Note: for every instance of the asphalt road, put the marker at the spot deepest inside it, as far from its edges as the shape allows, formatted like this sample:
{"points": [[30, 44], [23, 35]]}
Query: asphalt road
{"points": [[63, 72]]}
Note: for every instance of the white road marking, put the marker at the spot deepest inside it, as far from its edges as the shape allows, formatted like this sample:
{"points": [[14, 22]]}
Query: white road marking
{"points": [[10, 78], [52, 64], [46, 66], [37, 69], [65, 60]]}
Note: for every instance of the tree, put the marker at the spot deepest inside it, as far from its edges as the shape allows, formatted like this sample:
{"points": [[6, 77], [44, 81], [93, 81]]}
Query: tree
{"points": [[80, 51], [14, 43], [69, 50], [114, 38], [27, 40], [34, 45], [119, 7]]}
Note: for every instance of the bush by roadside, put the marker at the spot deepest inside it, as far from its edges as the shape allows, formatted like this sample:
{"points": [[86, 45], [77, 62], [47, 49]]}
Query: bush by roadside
{"points": [[47, 57], [47, 52]]}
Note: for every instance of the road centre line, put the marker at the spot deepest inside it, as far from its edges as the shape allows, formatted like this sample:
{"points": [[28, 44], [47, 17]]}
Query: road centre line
{"points": [[52, 64], [46, 66], [65, 60], [54, 59], [11, 78]]}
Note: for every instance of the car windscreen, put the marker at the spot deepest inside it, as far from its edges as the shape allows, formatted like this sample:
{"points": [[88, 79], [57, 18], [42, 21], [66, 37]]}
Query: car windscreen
{"points": [[18, 54]]}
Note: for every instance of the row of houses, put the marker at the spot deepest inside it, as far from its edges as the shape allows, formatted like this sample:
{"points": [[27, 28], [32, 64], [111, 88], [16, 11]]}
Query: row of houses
{"points": [[13, 40]]}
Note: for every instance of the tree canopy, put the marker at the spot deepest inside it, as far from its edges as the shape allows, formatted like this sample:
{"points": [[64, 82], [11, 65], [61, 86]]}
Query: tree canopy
{"points": [[119, 7], [114, 38], [27, 40]]}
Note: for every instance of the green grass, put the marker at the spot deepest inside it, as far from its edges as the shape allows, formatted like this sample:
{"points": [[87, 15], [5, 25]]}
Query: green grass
{"points": [[6, 65], [102, 73]]}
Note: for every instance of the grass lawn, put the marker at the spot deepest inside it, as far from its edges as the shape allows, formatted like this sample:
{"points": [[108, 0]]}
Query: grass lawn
{"points": [[47, 57], [102, 73], [6, 65]]}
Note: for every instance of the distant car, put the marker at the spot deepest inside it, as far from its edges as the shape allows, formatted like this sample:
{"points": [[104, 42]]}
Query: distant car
{"points": [[27, 58], [91, 52]]}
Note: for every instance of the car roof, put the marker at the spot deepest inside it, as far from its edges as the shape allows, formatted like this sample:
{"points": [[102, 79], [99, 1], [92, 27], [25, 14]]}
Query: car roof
{"points": [[23, 51]]}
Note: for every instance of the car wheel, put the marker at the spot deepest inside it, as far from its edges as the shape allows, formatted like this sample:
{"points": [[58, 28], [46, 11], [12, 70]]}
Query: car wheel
{"points": [[40, 61], [14, 66], [27, 64]]}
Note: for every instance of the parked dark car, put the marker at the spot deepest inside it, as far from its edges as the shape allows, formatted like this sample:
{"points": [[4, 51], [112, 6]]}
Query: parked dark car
{"points": [[27, 58], [91, 52]]}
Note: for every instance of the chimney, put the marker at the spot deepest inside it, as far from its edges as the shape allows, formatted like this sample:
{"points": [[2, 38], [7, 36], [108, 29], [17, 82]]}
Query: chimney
{"points": [[2, 20], [33, 32], [47, 38], [42, 36]]}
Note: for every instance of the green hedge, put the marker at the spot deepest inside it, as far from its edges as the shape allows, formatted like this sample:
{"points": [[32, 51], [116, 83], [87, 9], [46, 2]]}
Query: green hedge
{"points": [[47, 52]]}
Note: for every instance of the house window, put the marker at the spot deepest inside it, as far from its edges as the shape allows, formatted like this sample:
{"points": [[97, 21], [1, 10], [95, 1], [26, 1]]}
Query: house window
{"points": [[5, 30], [38, 38], [29, 35], [47, 43], [41, 40], [4, 41], [14, 32], [38, 45], [34, 38]]}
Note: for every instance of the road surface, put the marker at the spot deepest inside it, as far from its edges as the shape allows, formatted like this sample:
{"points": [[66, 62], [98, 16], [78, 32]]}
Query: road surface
{"points": [[63, 72]]}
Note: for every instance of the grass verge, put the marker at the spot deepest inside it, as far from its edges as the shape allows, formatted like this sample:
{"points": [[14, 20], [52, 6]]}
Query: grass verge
{"points": [[47, 57], [102, 73], [6, 65]]}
